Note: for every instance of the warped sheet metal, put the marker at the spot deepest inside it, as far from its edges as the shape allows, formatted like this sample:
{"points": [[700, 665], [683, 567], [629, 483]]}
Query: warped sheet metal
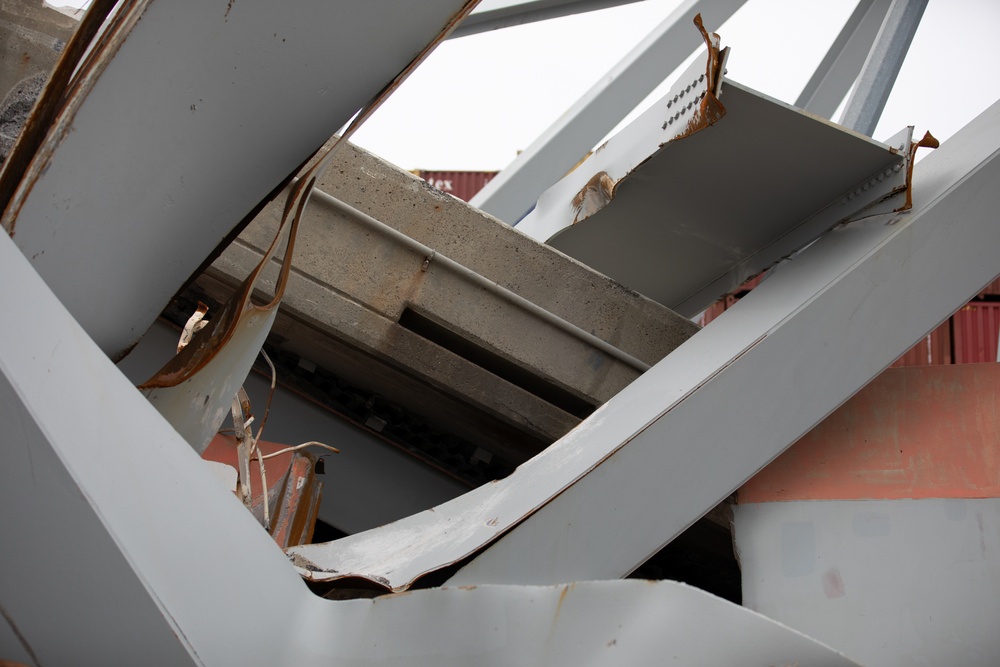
{"points": [[185, 116], [114, 573], [686, 215]]}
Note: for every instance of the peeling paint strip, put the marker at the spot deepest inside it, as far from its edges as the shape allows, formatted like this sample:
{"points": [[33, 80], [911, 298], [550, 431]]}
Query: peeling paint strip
{"points": [[705, 110], [927, 141]]}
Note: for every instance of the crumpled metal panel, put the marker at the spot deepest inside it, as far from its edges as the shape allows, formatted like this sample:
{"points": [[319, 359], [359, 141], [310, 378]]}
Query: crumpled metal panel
{"points": [[685, 211]]}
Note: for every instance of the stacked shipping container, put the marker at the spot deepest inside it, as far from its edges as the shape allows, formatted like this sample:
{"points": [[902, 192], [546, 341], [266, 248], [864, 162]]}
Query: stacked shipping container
{"points": [[461, 184], [967, 337]]}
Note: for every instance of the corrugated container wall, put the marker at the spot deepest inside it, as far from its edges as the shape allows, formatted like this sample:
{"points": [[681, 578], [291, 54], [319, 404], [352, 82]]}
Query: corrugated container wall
{"points": [[461, 184], [969, 336], [977, 326]]}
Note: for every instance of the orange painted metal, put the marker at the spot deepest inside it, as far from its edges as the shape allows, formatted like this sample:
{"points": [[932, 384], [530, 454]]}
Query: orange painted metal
{"points": [[298, 504], [293, 492], [920, 432]]}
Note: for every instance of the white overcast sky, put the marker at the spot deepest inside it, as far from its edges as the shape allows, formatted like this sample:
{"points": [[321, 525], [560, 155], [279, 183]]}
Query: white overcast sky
{"points": [[477, 100]]}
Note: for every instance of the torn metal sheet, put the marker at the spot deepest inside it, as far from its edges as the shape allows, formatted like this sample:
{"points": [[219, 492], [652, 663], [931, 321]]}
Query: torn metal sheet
{"points": [[293, 490], [685, 216], [141, 177]]}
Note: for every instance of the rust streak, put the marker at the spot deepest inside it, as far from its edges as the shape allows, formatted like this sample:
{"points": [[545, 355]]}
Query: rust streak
{"points": [[562, 597], [927, 141], [595, 195]]}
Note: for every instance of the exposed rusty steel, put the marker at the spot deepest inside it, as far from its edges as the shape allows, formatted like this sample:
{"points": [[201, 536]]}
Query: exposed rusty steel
{"points": [[195, 323], [927, 141], [297, 503], [286, 496], [710, 110], [594, 196], [51, 118]]}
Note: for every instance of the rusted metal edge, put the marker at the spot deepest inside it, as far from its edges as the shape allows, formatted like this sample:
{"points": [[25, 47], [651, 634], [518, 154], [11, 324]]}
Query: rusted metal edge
{"points": [[601, 188], [72, 79], [221, 328], [927, 141]]}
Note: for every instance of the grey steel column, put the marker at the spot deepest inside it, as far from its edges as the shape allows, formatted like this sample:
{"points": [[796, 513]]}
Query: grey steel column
{"points": [[866, 103], [843, 62]]}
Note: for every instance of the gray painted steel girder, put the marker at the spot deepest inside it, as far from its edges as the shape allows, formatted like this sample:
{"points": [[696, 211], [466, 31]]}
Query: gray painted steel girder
{"points": [[730, 399], [499, 14], [866, 103]]}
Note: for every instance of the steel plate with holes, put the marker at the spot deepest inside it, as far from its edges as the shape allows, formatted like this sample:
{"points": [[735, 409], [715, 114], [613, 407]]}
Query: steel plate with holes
{"points": [[701, 214]]}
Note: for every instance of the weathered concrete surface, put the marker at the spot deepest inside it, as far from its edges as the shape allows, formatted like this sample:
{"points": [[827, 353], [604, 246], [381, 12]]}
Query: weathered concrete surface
{"points": [[32, 36], [373, 311]]}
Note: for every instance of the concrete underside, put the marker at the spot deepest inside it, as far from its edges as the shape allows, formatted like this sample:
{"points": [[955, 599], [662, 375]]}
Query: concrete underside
{"points": [[369, 313]]}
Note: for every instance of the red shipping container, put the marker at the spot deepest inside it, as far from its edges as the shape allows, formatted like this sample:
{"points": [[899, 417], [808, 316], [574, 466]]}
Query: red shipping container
{"points": [[993, 289], [461, 184], [934, 349], [977, 326]]}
